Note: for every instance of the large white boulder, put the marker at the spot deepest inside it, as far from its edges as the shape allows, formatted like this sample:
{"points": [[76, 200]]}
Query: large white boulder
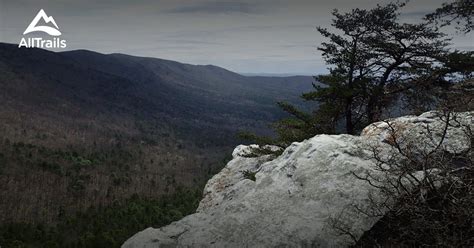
{"points": [[297, 197]]}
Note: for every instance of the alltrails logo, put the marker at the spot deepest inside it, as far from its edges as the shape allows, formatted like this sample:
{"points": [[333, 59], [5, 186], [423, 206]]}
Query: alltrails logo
{"points": [[39, 42]]}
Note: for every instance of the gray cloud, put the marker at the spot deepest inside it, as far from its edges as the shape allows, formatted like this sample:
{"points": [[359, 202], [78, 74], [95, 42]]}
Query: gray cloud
{"points": [[272, 36], [217, 8], [190, 42], [299, 45]]}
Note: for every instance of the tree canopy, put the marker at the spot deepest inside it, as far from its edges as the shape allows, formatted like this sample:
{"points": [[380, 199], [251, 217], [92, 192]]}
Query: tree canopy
{"points": [[458, 12], [378, 66]]}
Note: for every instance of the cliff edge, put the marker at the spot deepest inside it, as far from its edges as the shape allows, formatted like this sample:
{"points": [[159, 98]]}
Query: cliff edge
{"points": [[294, 199]]}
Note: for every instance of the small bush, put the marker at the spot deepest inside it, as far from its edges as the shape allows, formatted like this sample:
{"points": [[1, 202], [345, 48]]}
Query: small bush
{"points": [[249, 175]]}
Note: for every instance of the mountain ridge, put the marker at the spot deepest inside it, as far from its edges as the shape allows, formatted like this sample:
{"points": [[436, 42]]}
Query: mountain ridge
{"points": [[84, 129]]}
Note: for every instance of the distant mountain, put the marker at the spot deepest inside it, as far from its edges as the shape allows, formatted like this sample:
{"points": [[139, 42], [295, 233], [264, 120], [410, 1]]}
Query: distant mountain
{"points": [[80, 128], [275, 74]]}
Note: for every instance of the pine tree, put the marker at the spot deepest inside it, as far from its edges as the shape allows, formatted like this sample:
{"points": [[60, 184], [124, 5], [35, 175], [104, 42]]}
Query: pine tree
{"points": [[372, 59], [459, 12], [374, 62]]}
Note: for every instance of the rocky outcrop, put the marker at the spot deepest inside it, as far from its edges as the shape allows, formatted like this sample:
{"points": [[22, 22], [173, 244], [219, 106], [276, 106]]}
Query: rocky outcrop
{"points": [[296, 197]]}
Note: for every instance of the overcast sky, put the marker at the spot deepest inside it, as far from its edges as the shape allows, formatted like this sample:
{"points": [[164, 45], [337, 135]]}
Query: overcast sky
{"points": [[259, 36]]}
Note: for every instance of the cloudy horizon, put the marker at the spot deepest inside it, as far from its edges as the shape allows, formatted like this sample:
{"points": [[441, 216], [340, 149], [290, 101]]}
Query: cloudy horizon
{"points": [[276, 37]]}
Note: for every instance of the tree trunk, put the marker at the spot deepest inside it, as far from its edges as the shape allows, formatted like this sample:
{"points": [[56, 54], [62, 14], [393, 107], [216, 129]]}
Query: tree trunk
{"points": [[348, 116], [371, 109]]}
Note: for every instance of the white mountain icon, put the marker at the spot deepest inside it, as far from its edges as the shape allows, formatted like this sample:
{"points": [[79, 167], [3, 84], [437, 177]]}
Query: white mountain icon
{"points": [[47, 29]]}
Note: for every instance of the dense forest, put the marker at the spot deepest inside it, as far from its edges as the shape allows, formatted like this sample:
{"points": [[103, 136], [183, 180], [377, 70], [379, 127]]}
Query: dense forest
{"points": [[81, 130], [103, 226]]}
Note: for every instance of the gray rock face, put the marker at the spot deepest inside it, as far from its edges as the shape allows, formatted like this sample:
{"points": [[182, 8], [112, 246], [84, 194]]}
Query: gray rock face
{"points": [[296, 197]]}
